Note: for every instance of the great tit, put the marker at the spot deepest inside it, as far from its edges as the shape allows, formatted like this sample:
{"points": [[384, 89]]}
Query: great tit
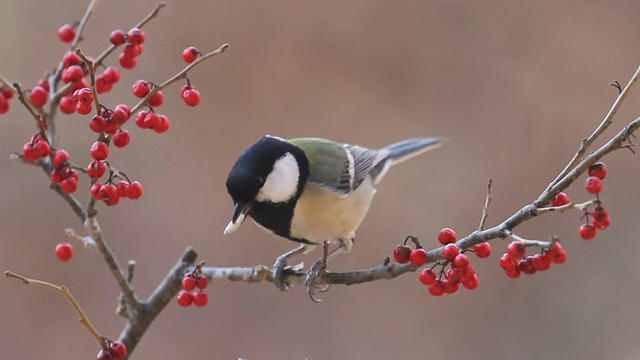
{"points": [[311, 190]]}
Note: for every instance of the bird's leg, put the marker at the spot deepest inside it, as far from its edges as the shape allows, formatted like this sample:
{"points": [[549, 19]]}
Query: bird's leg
{"points": [[281, 264], [320, 266]]}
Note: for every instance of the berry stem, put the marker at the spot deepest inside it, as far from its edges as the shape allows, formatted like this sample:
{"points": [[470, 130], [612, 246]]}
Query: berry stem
{"points": [[142, 103], [84, 320]]}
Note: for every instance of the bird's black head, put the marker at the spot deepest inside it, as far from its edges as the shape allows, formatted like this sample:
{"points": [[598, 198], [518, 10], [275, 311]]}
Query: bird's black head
{"points": [[271, 171]]}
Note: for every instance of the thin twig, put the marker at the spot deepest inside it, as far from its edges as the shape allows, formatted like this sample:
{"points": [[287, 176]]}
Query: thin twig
{"points": [[604, 124], [7, 84], [27, 104], [83, 22], [87, 241], [563, 208], [84, 320], [529, 242], [177, 77], [485, 208]]}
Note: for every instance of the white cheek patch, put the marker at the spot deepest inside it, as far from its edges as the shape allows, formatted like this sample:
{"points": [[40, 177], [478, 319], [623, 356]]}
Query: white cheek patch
{"points": [[282, 184]]}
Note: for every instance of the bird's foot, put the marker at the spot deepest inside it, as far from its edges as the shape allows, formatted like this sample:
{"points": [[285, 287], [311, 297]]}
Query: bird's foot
{"points": [[280, 271], [314, 275]]}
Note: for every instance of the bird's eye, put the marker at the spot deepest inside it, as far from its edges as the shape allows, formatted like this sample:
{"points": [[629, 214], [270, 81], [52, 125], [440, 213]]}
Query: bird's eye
{"points": [[259, 182]]}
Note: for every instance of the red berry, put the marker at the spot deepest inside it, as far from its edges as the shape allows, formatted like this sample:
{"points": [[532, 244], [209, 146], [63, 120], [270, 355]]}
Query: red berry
{"points": [[97, 123], [598, 170], [121, 138], [436, 289], [191, 97], [427, 276], [6, 92], [42, 148], [140, 116], [560, 199], [513, 273], [59, 157], [152, 120], [103, 85], [136, 36], [526, 265], [541, 262], [156, 99], [64, 251], [134, 190], [57, 175], [461, 261], [454, 275], [38, 96], [601, 224], [69, 185], [450, 287], [593, 185], [118, 350], [70, 58], [141, 88], [84, 109], [121, 189], [4, 104], [185, 298], [201, 282], [450, 251], [190, 54], [72, 74], [105, 355], [482, 250], [96, 169], [200, 298], [516, 250], [401, 254], [418, 257], [127, 62], [471, 282], [117, 37], [84, 96], [164, 124], [111, 74], [67, 33], [132, 50], [95, 190], [587, 231], [446, 236], [121, 114], [467, 271], [188, 282], [68, 104], [507, 262], [99, 150], [600, 213]]}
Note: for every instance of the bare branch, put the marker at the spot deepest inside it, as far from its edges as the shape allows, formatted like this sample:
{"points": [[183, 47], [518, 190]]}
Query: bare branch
{"points": [[485, 208], [92, 77], [84, 320]]}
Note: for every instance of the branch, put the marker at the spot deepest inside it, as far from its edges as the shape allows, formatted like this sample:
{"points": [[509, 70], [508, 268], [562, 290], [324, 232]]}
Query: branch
{"points": [[84, 320], [177, 77], [164, 293]]}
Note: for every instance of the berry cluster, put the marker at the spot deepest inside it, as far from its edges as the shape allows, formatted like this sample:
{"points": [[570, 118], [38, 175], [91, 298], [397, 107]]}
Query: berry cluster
{"points": [[114, 351], [63, 173], [515, 261], [598, 219], [36, 148], [190, 282], [64, 251], [445, 280], [133, 46], [111, 193]]}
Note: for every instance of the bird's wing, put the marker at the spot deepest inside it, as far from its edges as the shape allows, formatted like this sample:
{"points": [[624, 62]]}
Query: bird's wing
{"points": [[339, 168]]}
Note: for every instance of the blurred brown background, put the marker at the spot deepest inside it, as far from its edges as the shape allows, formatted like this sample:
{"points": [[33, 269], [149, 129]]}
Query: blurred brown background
{"points": [[515, 85]]}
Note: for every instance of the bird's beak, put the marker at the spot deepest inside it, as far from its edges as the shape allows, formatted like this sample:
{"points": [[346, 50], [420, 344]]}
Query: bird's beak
{"points": [[240, 211]]}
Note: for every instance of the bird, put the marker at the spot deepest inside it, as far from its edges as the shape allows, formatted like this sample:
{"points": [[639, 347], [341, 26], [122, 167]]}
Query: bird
{"points": [[310, 190]]}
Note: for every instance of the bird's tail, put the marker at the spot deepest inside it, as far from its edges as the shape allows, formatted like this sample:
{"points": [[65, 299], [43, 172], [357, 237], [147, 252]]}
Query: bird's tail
{"points": [[402, 151]]}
